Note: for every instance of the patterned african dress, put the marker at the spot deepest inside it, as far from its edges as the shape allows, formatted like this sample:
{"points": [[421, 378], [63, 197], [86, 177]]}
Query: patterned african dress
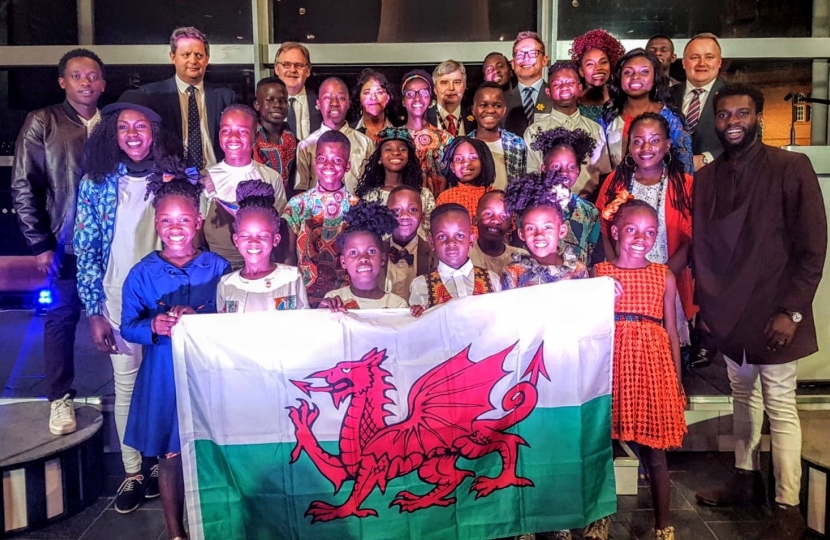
{"points": [[316, 217], [277, 156], [647, 399], [430, 144], [584, 229], [437, 292], [525, 271]]}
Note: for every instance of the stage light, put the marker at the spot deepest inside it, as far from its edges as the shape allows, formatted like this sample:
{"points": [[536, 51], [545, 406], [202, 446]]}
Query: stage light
{"points": [[44, 298]]}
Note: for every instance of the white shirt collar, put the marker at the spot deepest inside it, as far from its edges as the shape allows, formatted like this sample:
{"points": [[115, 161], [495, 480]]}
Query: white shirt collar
{"points": [[183, 86], [448, 271], [537, 87], [443, 113], [707, 87]]}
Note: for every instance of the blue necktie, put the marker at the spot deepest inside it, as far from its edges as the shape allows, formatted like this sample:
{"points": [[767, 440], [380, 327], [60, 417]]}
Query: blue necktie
{"points": [[527, 101]]}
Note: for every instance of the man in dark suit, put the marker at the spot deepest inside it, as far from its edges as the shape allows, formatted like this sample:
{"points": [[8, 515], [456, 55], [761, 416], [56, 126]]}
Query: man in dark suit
{"points": [[528, 98], [450, 81], [701, 61], [293, 67], [189, 108]]}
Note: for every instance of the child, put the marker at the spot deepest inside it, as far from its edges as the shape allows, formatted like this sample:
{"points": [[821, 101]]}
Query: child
{"points": [[533, 198], [236, 138], [639, 86], [470, 171], [363, 258], [274, 145], [315, 218], [163, 286], [668, 189], [261, 285], [409, 254], [563, 151], [456, 277], [647, 398], [493, 222], [394, 163], [509, 150]]}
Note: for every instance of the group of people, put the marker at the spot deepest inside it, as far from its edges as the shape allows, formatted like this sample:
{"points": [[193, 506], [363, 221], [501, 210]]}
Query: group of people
{"points": [[175, 200]]}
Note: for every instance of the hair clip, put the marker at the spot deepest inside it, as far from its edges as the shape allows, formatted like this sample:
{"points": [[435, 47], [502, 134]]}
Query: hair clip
{"points": [[611, 209]]}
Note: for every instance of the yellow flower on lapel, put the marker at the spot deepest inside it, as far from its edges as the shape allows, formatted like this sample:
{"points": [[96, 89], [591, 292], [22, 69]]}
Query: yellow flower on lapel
{"points": [[540, 107], [470, 118]]}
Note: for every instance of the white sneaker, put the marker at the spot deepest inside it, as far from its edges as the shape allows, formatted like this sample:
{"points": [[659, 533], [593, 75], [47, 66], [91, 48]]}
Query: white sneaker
{"points": [[62, 416]]}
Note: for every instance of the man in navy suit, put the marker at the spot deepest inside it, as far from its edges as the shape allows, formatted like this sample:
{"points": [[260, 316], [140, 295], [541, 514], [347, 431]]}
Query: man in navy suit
{"points": [[528, 98], [293, 67], [189, 108], [702, 61]]}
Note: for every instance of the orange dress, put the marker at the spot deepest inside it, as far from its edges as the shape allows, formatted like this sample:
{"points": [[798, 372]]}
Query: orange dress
{"points": [[647, 401]]}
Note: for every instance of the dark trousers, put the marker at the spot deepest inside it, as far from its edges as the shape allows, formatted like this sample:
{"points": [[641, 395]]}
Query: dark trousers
{"points": [[59, 331]]}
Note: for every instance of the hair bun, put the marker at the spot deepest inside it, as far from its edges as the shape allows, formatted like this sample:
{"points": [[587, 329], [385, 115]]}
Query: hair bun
{"points": [[255, 193]]}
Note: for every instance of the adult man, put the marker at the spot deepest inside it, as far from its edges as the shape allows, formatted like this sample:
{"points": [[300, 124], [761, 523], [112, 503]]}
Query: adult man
{"points": [[496, 68], [189, 108], [293, 67], [527, 99], [564, 88], [508, 149], [701, 61], [333, 104], [44, 186], [663, 48], [450, 80], [760, 237]]}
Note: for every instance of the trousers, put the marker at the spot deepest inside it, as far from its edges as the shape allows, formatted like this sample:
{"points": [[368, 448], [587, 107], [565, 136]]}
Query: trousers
{"points": [[59, 331]]}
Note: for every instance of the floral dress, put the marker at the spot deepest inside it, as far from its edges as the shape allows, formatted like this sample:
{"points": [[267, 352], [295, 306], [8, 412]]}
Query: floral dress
{"points": [[430, 144]]}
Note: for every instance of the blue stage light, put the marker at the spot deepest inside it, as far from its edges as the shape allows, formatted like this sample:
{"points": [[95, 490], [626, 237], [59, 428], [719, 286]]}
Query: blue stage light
{"points": [[44, 297]]}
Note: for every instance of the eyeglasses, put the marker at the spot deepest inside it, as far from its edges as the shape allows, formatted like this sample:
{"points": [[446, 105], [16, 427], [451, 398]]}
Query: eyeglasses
{"points": [[423, 92], [296, 65], [521, 55]]}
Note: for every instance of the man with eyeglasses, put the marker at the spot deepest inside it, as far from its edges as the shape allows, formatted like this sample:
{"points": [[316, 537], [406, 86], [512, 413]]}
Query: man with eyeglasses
{"points": [[528, 98], [564, 88], [44, 186], [293, 67]]}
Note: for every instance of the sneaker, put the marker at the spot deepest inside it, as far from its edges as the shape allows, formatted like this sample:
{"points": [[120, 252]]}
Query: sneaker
{"points": [[151, 487], [664, 534], [743, 487], [788, 524], [598, 530], [62, 416], [129, 494]]}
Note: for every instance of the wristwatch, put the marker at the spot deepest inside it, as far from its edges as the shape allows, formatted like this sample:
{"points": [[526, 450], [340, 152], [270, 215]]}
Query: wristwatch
{"points": [[706, 160], [794, 316]]}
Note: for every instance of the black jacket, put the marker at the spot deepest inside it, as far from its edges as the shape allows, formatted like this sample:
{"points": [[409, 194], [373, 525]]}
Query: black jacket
{"points": [[704, 139], [466, 117], [45, 176]]}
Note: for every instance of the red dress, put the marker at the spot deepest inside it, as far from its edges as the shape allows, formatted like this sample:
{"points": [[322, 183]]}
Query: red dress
{"points": [[647, 401]]}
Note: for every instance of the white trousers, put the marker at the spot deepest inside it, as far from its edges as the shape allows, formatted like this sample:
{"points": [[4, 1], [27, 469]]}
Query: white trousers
{"points": [[125, 370], [759, 388]]}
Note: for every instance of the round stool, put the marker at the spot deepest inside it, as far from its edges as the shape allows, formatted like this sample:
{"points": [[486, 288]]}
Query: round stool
{"points": [[47, 477]]}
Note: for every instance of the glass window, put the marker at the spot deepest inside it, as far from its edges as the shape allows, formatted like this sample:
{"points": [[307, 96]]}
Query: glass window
{"points": [[401, 21], [39, 22], [152, 21], [640, 19]]}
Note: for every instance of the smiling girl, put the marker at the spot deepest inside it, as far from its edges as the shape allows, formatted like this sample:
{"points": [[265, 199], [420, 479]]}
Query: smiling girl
{"points": [[470, 172], [597, 53]]}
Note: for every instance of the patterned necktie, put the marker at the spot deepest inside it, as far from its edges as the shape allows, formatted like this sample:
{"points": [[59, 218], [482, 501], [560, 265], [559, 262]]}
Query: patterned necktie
{"points": [[194, 132], [451, 127], [527, 102], [292, 117], [396, 255], [693, 116]]}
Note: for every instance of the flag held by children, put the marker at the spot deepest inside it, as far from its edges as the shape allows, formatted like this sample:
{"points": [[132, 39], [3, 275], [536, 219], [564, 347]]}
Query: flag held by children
{"points": [[377, 425]]}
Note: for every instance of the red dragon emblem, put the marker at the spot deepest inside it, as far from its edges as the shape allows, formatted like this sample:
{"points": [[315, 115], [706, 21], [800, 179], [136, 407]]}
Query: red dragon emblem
{"points": [[443, 424]]}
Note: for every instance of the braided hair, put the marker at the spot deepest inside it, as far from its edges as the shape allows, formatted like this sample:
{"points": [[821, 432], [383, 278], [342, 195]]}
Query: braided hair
{"points": [[578, 140], [371, 217], [374, 175], [533, 190], [171, 178], [256, 196], [675, 171], [488, 166]]}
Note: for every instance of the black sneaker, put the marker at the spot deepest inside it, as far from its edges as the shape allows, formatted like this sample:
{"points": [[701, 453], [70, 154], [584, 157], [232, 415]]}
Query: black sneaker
{"points": [[151, 486], [130, 494]]}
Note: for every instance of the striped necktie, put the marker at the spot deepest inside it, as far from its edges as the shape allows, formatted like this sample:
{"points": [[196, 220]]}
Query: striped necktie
{"points": [[693, 116], [527, 102]]}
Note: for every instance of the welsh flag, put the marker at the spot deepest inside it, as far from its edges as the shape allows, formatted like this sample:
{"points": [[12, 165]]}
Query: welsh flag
{"points": [[487, 417]]}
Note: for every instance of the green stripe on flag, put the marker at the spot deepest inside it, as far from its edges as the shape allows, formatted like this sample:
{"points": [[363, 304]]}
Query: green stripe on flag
{"points": [[243, 489]]}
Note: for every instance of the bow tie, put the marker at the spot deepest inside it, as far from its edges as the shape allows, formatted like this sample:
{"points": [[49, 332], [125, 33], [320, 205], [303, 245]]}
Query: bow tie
{"points": [[396, 255]]}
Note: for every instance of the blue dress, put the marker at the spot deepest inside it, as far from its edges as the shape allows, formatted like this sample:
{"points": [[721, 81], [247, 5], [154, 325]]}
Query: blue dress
{"points": [[154, 286]]}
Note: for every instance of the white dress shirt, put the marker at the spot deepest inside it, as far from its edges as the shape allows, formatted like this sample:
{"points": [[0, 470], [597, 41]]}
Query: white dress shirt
{"points": [[302, 114], [282, 289], [442, 119], [362, 148], [459, 283], [207, 144]]}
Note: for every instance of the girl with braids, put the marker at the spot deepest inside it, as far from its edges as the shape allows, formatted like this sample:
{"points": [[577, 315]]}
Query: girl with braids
{"points": [[564, 152], [362, 256], [640, 86], [113, 231], [647, 397], [470, 171], [394, 163], [158, 291], [652, 172], [597, 53], [261, 285]]}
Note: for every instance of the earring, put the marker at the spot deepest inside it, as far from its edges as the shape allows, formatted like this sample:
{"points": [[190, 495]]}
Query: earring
{"points": [[667, 161], [630, 163]]}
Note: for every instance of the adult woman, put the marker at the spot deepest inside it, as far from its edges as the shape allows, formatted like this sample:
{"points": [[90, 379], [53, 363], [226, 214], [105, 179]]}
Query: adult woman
{"points": [[637, 87], [114, 229], [430, 142], [597, 53], [372, 99]]}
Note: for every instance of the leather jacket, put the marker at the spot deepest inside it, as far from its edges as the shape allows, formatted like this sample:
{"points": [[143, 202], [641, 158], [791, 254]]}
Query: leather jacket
{"points": [[45, 177]]}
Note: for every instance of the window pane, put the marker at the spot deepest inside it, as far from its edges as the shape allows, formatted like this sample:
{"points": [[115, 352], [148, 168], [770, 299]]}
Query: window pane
{"points": [[151, 21], [401, 21], [640, 19], [38, 22]]}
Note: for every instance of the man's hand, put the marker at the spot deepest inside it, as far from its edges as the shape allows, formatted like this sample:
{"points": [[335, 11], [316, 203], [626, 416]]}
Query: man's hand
{"points": [[47, 263], [780, 331], [102, 336]]}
